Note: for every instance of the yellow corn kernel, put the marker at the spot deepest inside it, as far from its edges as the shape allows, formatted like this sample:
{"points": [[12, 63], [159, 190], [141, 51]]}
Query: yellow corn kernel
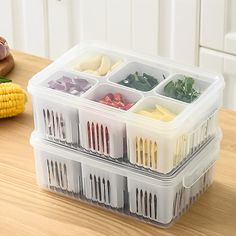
{"points": [[12, 99]]}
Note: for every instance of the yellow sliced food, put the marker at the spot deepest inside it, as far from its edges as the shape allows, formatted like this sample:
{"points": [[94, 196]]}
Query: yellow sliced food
{"points": [[151, 114], [156, 112], [167, 118], [160, 113], [164, 110], [144, 113]]}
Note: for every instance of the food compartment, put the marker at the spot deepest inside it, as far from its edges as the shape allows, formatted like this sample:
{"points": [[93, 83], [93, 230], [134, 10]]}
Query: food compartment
{"points": [[158, 108], [70, 83], [114, 96], [102, 134], [184, 88], [148, 147], [97, 62], [57, 173], [104, 187], [166, 147], [103, 131], [139, 76], [161, 152], [56, 121], [163, 204]]}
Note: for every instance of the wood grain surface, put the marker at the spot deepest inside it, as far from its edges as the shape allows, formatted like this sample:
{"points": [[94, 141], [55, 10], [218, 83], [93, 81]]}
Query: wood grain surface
{"points": [[27, 210]]}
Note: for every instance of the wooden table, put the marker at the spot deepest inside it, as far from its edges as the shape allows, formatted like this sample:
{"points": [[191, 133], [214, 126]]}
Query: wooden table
{"points": [[25, 209]]}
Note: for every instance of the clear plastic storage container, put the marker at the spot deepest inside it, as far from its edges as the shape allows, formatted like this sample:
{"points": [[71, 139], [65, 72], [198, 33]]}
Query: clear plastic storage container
{"points": [[150, 196], [81, 122]]}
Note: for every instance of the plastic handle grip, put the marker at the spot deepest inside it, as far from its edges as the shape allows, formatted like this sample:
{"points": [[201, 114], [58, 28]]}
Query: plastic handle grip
{"points": [[188, 180]]}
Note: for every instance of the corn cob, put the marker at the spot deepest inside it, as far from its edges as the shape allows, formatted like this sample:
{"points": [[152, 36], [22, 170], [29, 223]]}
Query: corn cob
{"points": [[12, 99]]}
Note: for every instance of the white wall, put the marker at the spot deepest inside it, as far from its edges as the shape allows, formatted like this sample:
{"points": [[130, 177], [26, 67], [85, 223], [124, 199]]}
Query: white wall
{"points": [[50, 27], [194, 32]]}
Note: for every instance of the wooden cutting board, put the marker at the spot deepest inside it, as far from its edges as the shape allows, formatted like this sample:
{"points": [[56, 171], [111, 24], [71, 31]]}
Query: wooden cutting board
{"points": [[6, 65]]}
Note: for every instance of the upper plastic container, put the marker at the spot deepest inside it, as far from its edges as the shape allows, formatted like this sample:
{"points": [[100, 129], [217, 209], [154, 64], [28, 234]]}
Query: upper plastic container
{"points": [[79, 121], [154, 197]]}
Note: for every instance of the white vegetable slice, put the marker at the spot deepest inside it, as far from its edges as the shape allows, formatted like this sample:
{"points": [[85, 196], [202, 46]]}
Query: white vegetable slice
{"points": [[91, 63], [105, 66], [93, 72], [116, 64]]}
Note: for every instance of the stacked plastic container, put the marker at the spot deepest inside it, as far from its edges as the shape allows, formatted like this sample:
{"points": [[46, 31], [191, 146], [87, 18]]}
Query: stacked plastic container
{"points": [[117, 158]]}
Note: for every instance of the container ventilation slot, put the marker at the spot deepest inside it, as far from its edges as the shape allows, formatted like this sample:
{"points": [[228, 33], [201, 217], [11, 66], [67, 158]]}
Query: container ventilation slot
{"points": [[54, 125], [98, 138], [100, 189], [146, 153], [188, 144], [179, 202], [57, 174], [146, 204]]}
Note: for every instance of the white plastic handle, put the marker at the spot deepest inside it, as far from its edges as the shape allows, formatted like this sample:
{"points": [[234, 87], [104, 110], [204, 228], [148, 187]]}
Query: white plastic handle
{"points": [[189, 184]]}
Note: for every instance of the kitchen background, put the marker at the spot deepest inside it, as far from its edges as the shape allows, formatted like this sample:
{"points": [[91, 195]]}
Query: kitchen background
{"points": [[194, 32]]}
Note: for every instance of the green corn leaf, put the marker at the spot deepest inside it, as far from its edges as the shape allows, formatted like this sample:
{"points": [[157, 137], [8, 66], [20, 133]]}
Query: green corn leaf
{"points": [[4, 80]]}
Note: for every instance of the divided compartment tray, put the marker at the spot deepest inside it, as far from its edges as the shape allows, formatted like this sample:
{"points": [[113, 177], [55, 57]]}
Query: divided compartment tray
{"points": [[83, 123], [155, 198]]}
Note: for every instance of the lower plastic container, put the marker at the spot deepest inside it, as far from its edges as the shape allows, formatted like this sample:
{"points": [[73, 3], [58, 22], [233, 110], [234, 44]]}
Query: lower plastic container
{"points": [[153, 197]]}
